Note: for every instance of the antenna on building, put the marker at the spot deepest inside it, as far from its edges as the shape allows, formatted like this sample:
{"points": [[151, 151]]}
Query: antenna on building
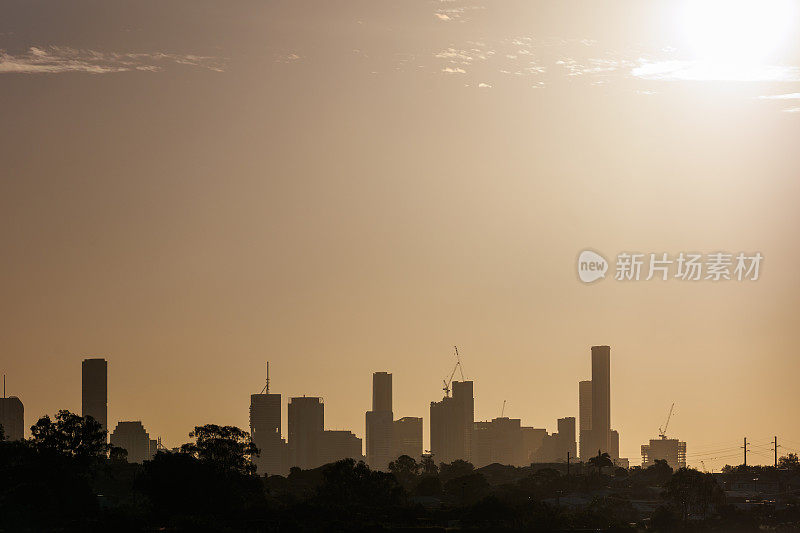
{"points": [[265, 390], [4, 386]]}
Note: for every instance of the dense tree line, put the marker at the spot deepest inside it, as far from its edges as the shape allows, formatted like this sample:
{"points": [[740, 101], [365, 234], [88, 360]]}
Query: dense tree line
{"points": [[66, 478]]}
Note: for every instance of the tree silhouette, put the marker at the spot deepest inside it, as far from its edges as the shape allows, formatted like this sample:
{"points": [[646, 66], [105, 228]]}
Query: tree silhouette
{"points": [[180, 486], [692, 491], [790, 462], [457, 468], [45, 481], [117, 454], [467, 489], [347, 483], [659, 472], [229, 447], [429, 465], [600, 461], [405, 470], [428, 485], [540, 483], [71, 435]]}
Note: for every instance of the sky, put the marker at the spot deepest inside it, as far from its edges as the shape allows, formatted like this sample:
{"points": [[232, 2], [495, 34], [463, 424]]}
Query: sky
{"points": [[192, 188]]}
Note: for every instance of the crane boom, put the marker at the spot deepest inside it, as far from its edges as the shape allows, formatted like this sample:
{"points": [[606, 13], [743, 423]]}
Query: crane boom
{"points": [[662, 431], [449, 381], [458, 364]]}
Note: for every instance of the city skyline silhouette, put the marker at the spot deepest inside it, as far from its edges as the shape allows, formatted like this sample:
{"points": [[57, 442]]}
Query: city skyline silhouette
{"points": [[494, 440], [347, 189]]}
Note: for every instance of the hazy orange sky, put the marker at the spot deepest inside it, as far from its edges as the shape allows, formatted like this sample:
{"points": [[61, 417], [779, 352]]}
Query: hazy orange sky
{"points": [[190, 189]]}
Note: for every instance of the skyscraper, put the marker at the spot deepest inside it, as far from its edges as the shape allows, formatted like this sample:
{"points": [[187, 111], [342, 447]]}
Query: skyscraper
{"points": [[601, 398], [381, 391], [12, 417], [94, 389], [672, 451], [532, 441], [379, 422], [465, 399], [133, 438], [452, 424], [554, 448], [566, 437], [407, 437], [336, 445], [265, 430], [499, 441], [613, 445], [585, 419], [306, 422]]}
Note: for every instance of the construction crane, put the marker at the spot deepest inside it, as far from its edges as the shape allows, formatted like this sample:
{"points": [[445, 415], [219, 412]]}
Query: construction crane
{"points": [[662, 430], [447, 382], [460, 366]]}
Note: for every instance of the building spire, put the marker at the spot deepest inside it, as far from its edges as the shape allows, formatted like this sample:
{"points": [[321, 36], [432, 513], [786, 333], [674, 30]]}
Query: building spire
{"points": [[265, 390]]}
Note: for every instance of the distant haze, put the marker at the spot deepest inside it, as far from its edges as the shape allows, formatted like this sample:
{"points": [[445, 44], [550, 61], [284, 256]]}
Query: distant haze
{"points": [[189, 189]]}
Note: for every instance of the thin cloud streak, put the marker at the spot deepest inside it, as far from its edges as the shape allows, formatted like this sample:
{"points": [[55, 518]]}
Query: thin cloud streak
{"points": [[675, 70], [56, 59], [789, 96]]}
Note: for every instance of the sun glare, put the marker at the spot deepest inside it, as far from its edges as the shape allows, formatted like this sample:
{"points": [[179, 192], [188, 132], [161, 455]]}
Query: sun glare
{"points": [[737, 32]]}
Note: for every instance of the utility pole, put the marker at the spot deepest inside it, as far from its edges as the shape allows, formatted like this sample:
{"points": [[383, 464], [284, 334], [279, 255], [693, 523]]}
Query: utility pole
{"points": [[776, 451], [745, 451], [567, 463]]}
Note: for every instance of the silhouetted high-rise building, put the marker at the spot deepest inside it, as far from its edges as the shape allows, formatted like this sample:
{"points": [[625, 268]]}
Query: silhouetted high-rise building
{"points": [[452, 424], [585, 419], [306, 420], [465, 399], [554, 448], [499, 441], [336, 445], [672, 451], [566, 437], [12, 418], [379, 422], [265, 430], [407, 437], [94, 388], [532, 440], [613, 445], [381, 391], [132, 437], [601, 398]]}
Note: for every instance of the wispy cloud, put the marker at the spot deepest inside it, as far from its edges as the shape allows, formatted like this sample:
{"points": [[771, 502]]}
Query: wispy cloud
{"points": [[57, 59], [789, 96], [674, 70]]}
